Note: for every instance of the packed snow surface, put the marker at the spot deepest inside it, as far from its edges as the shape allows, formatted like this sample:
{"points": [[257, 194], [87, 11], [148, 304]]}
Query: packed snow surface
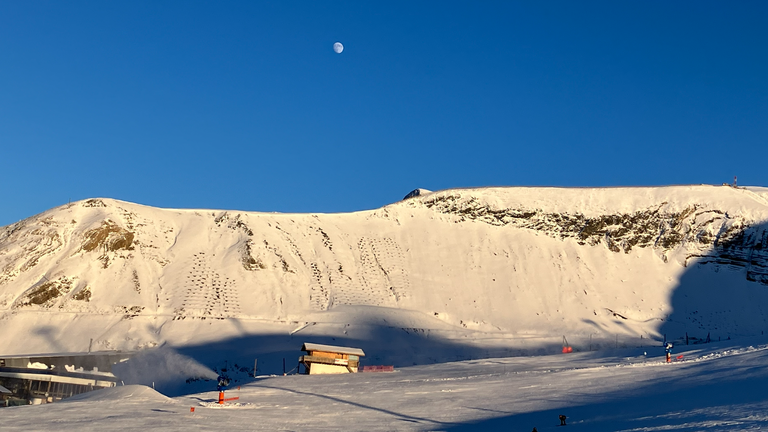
{"points": [[716, 387]]}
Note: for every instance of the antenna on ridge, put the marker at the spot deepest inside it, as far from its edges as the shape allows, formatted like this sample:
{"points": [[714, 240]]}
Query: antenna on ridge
{"points": [[734, 181]]}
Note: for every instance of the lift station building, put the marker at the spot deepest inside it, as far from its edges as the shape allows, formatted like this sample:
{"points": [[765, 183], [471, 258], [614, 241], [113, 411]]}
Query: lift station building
{"points": [[44, 378]]}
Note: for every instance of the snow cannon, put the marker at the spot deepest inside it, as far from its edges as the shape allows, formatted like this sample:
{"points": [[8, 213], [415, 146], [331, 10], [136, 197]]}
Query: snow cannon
{"points": [[223, 382], [566, 347]]}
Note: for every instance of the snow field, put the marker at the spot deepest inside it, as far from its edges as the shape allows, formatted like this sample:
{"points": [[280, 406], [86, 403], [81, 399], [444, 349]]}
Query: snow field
{"points": [[476, 274], [718, 387]]}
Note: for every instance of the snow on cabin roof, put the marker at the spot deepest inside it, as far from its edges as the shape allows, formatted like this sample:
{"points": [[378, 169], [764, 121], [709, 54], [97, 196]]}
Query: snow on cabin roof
{"points": [[330, 348]]}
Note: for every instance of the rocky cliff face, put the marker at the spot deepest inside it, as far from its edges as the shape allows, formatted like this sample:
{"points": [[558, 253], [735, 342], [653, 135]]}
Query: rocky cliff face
{"points": [[707, 235]]}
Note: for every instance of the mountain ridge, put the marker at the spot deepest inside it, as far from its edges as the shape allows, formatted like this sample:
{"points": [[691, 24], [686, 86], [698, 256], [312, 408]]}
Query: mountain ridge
{"points": [[507, 262]]}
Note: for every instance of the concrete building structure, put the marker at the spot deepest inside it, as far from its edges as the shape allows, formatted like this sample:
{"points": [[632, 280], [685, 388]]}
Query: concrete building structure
{"points": [[44, 378]]}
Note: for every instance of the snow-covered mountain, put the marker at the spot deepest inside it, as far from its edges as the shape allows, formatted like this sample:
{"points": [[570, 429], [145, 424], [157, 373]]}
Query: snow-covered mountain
{"points": [[516, 268]]}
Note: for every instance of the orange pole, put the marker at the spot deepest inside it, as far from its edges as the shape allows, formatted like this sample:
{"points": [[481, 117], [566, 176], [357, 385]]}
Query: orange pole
{"points": [[221, 398]]}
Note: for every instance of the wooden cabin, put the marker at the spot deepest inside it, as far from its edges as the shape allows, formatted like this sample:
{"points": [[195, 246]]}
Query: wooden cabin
{"points": [[328, 359]]}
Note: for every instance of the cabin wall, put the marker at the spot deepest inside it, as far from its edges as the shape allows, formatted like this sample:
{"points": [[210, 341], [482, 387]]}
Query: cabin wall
{"points": [[326, 354], [325, 369]]}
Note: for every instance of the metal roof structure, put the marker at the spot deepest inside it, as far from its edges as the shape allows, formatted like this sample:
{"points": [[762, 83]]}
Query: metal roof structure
{"points": [[103, 360], [330, 348], [5, 390]]}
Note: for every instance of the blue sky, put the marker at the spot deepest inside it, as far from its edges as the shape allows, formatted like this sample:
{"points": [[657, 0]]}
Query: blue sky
{"points": [[245, 105]]}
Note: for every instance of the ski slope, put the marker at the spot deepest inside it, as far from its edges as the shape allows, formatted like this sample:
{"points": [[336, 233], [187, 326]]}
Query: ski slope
{"points": [[717, 387]]}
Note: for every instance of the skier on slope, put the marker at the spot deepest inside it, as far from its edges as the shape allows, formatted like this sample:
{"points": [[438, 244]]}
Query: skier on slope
{"points": [[668, 350]]}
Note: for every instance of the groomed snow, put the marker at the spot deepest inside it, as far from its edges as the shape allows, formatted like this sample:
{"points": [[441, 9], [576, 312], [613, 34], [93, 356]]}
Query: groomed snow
{"points": [[717, 387]]}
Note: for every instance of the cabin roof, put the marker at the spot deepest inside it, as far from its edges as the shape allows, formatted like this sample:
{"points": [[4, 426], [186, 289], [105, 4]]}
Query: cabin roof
{"points": [[5, 390], [330, 348]]}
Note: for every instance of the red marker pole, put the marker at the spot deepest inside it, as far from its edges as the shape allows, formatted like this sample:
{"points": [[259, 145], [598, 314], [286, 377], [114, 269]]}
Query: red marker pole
{"points": [[221, 398]]}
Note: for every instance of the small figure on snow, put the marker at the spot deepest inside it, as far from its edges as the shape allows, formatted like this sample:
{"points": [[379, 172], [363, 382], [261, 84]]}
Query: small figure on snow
{"points": [[668, 350], [562, 420]]}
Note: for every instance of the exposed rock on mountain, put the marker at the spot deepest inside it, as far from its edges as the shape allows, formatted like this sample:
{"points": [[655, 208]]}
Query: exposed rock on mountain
{"points": [[703, 232]]}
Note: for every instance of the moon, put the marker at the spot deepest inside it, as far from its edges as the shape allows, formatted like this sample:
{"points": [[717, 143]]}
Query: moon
{"points": [[338, 47]]}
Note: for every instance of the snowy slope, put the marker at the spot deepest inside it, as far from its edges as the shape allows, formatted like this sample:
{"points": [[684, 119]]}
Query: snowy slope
{"points": [[718, 387], [507, 270]]}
